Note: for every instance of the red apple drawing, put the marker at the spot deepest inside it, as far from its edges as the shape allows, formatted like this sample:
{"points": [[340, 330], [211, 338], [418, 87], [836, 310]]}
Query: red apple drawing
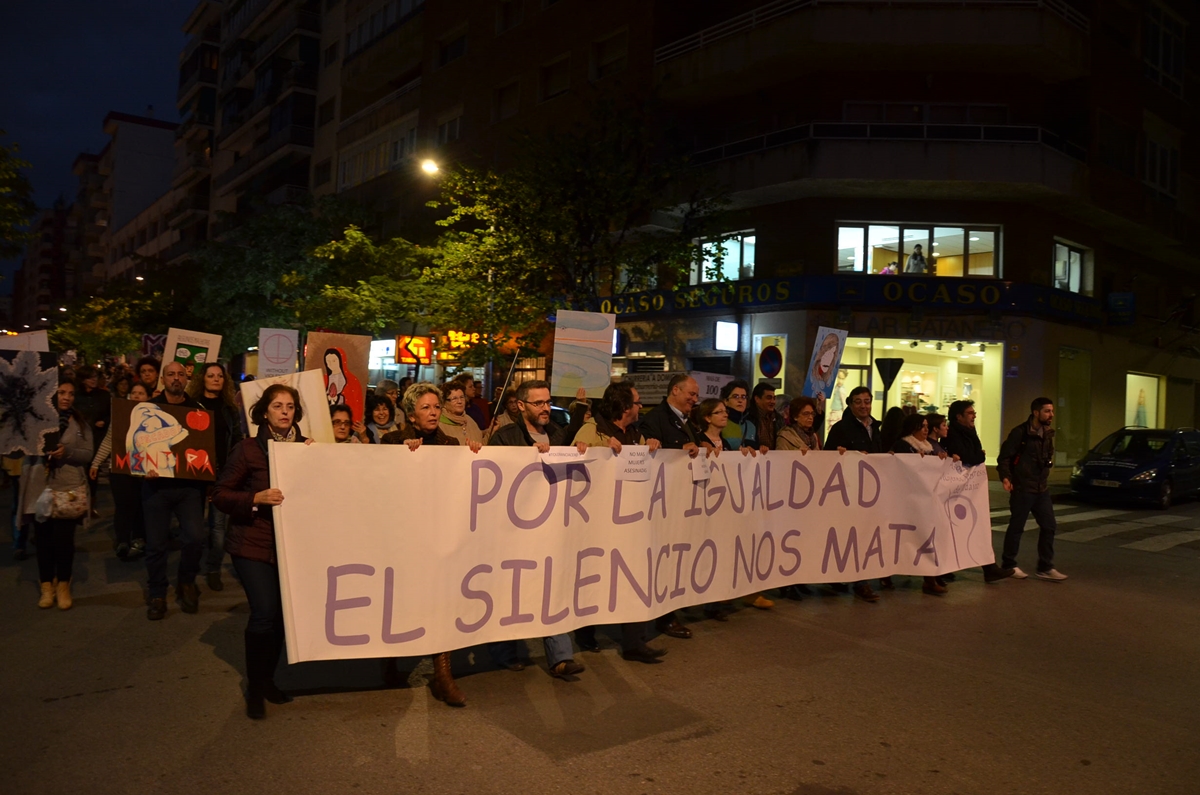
{"points": [[198, 420]]}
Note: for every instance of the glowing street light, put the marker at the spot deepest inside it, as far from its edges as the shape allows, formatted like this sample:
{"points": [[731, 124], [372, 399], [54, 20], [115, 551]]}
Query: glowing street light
{"points": [[140, 278], [429, 166], [62, 309]]}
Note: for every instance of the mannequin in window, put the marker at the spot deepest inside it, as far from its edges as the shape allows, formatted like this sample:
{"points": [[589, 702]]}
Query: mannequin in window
{"points": [[916, 261]]}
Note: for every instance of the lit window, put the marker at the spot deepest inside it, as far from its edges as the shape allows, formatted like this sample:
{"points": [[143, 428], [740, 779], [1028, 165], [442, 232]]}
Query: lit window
{"points": [[1072, 268], [896, 249], [727, 260]]}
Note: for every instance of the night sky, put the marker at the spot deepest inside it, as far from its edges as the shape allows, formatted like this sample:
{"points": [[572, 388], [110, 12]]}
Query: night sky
{"points": [[64, 64]]}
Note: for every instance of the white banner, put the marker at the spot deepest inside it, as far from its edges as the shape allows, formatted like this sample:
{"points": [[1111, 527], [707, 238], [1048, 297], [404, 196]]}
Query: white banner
{"points": [[316, 423], [387, 552]]}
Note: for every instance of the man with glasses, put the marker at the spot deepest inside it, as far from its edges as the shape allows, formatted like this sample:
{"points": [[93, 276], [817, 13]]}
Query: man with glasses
{"points": [[343, 423], [535, 429]]}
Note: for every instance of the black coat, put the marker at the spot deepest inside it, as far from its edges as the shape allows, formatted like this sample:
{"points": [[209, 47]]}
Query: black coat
{"points": [[662, 423], [1027, 458], [851, 434], [516, 435], [964, 443]]}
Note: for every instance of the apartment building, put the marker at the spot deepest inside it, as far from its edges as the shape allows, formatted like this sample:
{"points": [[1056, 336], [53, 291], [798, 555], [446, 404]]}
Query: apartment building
{"points": [[45, 280], [266, 103], [199, 69], [1036, 152]]}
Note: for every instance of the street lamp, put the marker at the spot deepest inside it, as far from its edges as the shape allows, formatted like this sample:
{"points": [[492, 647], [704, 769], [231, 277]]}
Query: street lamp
{"points": [[429, 167], [62, 309], [139, 278]]}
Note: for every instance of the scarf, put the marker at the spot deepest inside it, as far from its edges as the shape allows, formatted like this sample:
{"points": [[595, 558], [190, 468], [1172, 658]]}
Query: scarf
{"points": [[924, 447], [290, 437], [810, 437], [377, 431]]}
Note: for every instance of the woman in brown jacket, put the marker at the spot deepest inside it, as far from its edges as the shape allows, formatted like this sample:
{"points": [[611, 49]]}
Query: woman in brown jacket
{"points": [[244, 491]]}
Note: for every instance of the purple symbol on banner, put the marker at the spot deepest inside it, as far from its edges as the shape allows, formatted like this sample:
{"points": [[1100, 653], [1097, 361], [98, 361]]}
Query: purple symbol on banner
{"points": [[963, 519]]}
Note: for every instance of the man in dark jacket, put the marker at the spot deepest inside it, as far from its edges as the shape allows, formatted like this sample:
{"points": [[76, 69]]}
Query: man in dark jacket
{"points": [[164, 497], [767, 422], [534, 429], [668, 422], [860, 432], [1026, 458], [962, 442]]}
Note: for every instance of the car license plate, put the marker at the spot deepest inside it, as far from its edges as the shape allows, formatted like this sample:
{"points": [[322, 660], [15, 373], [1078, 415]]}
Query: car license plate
{"points": [[1111, 484]]}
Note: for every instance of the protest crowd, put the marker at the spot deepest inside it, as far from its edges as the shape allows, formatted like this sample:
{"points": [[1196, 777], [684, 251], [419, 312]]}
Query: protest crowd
{"points": [[232, 515]]}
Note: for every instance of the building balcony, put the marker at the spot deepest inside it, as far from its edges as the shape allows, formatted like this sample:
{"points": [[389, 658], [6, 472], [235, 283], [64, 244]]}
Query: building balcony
{"points": [[239, 62], [965, 161], [189, 168], [788, 39], [241, 17], [99, 200], [298, 22], [95, 250], [190, 84], [288, 194], [286, 141], [188, 206], [196, 122]]}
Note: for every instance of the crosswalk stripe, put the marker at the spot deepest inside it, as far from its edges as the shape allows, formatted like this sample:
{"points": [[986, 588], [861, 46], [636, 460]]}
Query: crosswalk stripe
{"points": [[1083, 516], [1165, 541], [1092, 533]]}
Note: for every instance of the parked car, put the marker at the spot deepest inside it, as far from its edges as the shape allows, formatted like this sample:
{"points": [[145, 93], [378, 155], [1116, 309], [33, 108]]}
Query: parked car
{"points": [[1143, 464]]}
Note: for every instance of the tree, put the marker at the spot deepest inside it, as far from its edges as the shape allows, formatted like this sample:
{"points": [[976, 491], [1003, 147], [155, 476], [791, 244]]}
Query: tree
{"points": [[263, 272], [600, 209], [17, 207], [109, 324]]}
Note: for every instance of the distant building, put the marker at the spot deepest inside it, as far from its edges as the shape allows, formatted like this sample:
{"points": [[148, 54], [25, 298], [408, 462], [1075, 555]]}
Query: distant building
{"points": [[45, 282]]}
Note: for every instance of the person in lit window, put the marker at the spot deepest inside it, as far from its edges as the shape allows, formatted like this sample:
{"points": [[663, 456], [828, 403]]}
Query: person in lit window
{"points": [[916, 262]]}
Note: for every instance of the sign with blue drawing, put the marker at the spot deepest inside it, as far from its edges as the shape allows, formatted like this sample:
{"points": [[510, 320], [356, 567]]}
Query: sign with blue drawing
{"points": [[583, 343], [826, 359]]}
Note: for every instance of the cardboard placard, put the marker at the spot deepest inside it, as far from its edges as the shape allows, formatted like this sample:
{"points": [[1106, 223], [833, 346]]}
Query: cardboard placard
{"points": [[171, 441], [344, 361]]}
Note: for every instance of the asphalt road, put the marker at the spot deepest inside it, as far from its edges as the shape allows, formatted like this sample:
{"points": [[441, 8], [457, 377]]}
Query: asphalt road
{"points": [[1088, 686]]}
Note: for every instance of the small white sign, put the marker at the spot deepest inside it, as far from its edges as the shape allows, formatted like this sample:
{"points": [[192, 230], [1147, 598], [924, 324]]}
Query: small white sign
{"points": [[562, 455], [701, 469], [633, 462]]}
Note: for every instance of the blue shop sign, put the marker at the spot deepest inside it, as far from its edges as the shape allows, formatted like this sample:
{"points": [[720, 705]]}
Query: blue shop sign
{"points": [[1122, 309], [899, 292]]}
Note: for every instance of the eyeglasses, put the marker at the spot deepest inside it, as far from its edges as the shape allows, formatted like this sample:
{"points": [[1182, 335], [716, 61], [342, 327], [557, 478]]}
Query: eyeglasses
{"points": [[638, 403], [537, 404], [737, 396], [341, 422]]}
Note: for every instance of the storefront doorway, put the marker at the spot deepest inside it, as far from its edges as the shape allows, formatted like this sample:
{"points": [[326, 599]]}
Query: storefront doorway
{"points": [[935, 373]]}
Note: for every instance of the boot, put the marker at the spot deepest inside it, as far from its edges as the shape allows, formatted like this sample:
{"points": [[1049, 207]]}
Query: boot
{"points": [[47, 599], [262, 652], [271, 691], [63, 593], [443, 686]]}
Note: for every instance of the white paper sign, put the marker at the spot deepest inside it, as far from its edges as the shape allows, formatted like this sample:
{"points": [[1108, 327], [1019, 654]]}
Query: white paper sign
{"points": [[277, 351], [562, 455], [633, 462], [37, 341], [700, 469], [576, 548]]}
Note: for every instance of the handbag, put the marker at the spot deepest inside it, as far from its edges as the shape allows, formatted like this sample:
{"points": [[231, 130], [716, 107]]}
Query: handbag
{"points": [[69, 503]]}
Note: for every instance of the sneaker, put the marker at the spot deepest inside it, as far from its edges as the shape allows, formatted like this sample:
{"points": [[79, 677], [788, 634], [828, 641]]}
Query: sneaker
{"points": [[136, 550], [123, 551], [1053, 575], [1018, 574]]}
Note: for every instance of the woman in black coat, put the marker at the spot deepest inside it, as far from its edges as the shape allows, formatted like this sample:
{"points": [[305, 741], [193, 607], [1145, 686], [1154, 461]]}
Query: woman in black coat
{"points": [[914, 438]]}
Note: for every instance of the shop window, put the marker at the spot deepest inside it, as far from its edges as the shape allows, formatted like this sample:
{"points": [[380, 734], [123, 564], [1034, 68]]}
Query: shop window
{"points": [[888, 249], [727, 260], [1141, 400], [1072, 268], [1073, 405], [1162, 48]]}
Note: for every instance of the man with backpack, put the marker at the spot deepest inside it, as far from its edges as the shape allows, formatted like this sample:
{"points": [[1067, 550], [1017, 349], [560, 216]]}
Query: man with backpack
{"points": [[1024, 467]]}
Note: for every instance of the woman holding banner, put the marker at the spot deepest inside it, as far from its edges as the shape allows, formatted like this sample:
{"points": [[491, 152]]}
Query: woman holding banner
{"points": [[422, 404], [243, 490], [914, 438]]}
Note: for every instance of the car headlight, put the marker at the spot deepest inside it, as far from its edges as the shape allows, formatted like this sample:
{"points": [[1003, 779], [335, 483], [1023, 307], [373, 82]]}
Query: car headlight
{"points": [[1142, 477], [1078, 470]]}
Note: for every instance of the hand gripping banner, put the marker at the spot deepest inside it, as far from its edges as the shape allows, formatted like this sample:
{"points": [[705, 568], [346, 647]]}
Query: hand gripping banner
{"points": [[385, 551]]}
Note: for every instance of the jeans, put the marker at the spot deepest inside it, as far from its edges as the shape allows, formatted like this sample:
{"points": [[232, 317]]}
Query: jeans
{"points": [[1022, 503], [55, 549], [558, 648], [186, 503], [260, 581], [128, 523], [218, 524], [18, 527]]}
